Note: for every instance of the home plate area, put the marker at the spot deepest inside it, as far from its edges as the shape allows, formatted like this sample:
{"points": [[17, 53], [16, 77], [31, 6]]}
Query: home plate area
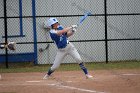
{"points": [[104, 81]]}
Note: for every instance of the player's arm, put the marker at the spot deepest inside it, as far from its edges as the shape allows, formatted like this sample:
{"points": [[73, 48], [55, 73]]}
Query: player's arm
{"points": [[66, 30], [71, 32]]}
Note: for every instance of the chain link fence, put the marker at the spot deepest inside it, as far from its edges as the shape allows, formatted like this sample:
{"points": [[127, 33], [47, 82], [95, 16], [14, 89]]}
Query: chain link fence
{"points": [[110, 34]]}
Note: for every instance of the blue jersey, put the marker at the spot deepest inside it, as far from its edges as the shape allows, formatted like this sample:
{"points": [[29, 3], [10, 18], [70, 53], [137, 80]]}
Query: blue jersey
{"points": [[60, 41]]}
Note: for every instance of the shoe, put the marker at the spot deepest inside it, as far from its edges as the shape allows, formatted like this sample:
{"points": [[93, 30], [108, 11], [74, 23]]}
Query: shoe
{"points": [[89, 76], [46, 76]]}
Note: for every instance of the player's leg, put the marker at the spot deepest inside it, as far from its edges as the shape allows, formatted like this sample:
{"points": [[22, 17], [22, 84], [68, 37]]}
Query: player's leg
{"points": [[74, 53], [58, 59]]}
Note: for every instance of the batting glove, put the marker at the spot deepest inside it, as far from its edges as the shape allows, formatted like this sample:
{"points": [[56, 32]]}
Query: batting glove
{"points": [[74, 26], [73, 30]]}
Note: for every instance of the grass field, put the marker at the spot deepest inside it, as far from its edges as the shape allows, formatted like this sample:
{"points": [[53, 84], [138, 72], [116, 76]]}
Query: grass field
{"points": [[28, 67]]}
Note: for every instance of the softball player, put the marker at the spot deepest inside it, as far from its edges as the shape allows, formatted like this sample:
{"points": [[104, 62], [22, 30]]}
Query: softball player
{"points": [[60, 36]]}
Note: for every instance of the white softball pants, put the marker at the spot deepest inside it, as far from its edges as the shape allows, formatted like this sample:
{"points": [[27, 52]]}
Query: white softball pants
{"points": [[61, 53]]}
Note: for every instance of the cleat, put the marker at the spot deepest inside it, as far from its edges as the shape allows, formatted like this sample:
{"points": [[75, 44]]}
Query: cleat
{"points": [[89, 76], [46, 76]]}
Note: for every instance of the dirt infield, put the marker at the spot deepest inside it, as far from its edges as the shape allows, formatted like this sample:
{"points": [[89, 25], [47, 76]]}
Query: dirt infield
{"points": [[104, 81]]}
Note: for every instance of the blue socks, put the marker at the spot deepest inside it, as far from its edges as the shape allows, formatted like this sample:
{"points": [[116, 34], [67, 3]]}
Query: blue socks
{"points": [[50, 72], [83, 68]]}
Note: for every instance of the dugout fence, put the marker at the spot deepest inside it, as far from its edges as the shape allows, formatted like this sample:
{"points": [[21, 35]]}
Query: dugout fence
{"points": [[110, 34]]}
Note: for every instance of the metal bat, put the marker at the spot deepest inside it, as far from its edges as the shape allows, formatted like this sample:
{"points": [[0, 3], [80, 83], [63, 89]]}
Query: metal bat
{"points": [[83, 18], [111, 26], [87, 13]]}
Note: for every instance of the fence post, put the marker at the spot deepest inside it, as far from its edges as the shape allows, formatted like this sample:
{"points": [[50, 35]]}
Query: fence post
{"points": [[34, 32], [106, 40], [5, 30]]}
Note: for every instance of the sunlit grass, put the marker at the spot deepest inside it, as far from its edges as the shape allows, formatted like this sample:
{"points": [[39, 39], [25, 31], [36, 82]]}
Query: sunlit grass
{"points": [[27, 67]]}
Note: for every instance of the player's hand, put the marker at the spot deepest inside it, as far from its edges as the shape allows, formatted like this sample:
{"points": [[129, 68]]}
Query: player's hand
{"points": [[73, 30], [74, 26]]}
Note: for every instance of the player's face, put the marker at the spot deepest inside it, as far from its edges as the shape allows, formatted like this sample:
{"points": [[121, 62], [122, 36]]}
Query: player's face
{"points": [[55, 25]]}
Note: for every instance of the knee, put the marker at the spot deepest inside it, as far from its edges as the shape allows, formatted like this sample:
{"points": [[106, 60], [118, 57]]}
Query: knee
{"points": [[81, 64], [53, 68], [79, 60]]}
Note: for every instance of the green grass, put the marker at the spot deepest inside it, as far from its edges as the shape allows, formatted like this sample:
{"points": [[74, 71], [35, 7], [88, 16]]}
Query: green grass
{"points": [[115, 65], [28, 67]]}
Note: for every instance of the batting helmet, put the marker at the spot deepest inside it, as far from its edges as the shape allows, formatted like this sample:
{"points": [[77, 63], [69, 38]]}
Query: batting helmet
{"points": [[52, 21]]}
